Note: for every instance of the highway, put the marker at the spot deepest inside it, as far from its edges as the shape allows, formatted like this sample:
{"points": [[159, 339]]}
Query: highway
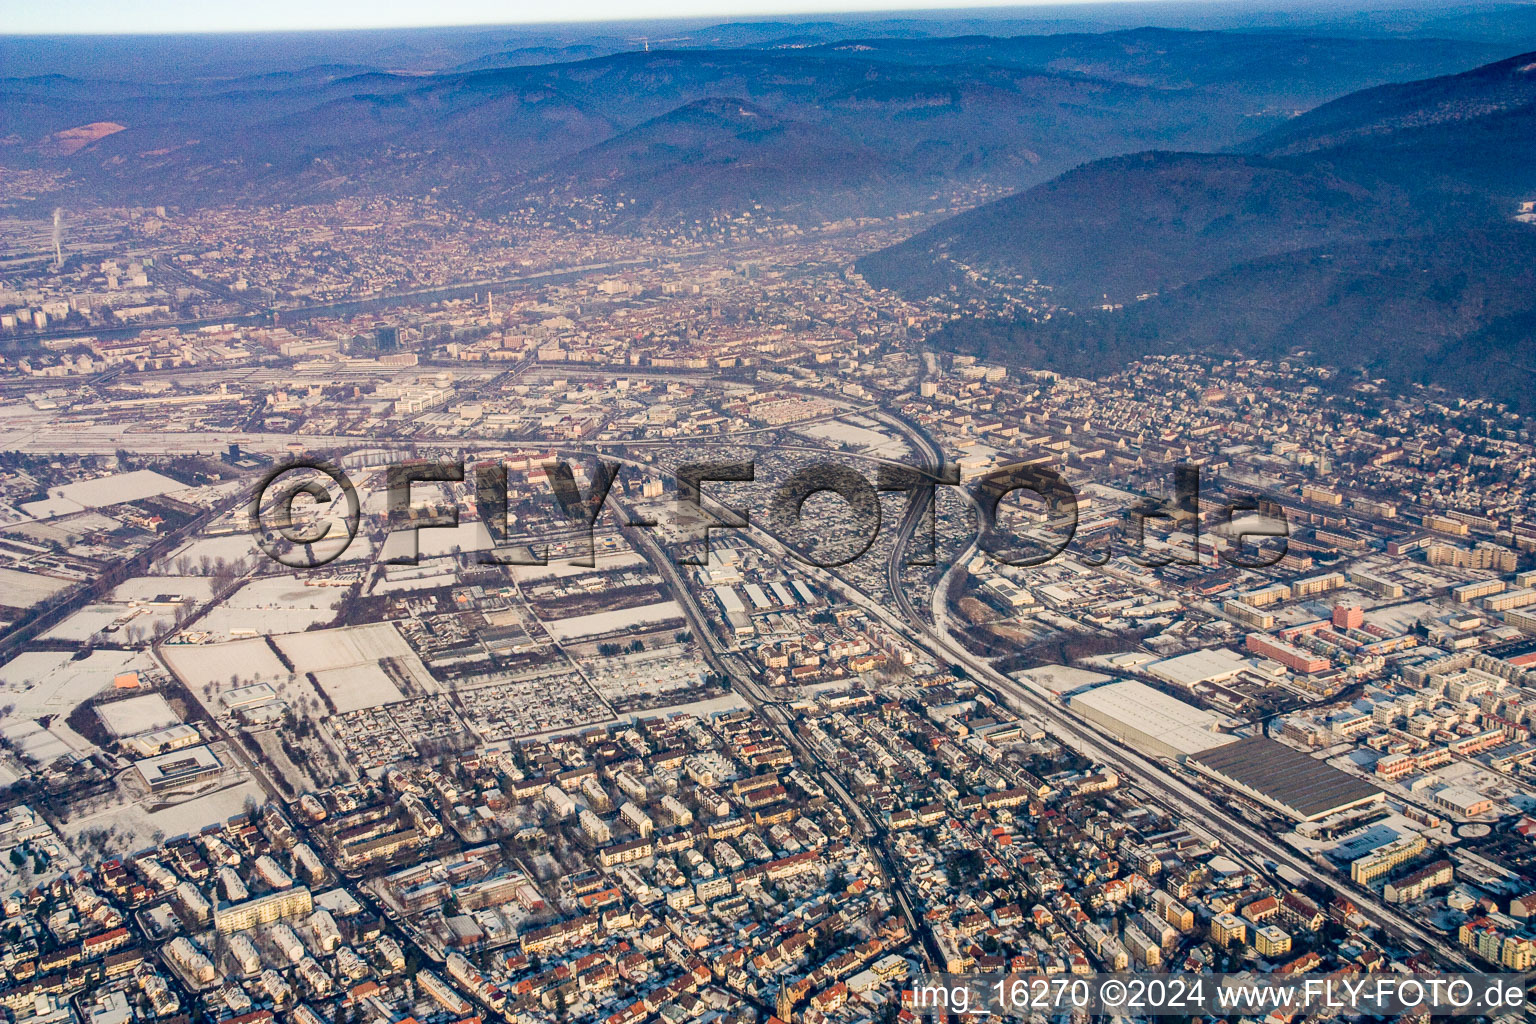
{"points": [[1243, 836], [1184, 801], [1172, 793]]}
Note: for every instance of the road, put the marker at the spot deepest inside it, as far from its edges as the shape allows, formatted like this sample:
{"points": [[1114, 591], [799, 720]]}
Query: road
{"points": [[1170, 792], [339, 307], [917, 512], [1165, 788], [730, 664]]}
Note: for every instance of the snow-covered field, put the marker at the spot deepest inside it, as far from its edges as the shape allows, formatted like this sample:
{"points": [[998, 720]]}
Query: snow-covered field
{"points": [[1400, 618], [390, 584], [346, 662], [207, 669], [349, 645], [41, 683], [606, 561], [43, 745], [188, 558], [202, 665], [436, 542], [66, 529], [142, 826], [701, 708], [854, 436], [25, 589], [94, 618], [147, 588], [143, 603], [614, 621], [136, 715], [107, 490], [273, 604], [357, 686], [88, 621]]}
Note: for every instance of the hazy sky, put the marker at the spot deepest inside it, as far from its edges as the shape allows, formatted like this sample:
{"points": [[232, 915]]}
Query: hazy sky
{"points": [[50, 16]]}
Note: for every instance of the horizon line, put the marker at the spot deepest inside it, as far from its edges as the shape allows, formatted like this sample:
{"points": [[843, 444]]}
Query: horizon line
{"points": [[793, 10]]}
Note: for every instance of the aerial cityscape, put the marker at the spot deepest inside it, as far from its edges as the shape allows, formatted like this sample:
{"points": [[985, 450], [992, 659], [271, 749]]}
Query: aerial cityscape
{"points": [[732, 520]]}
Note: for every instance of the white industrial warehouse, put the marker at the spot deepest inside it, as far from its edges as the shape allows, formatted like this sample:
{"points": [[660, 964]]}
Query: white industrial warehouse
{"points": [[1149, 720], [1217, 665]]}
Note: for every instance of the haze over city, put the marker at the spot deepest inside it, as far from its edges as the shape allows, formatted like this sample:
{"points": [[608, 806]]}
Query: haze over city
{"points": [[95, 16], [830, 516]]}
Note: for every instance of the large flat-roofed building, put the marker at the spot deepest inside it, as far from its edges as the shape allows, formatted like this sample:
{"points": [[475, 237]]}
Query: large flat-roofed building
{"points": [[239, 917], [244, 696], [1384, 859], [137, 715], [1216, 665], [1288, 780], [1292, 657], [177, 767], [1149, 720], [161, 741]]}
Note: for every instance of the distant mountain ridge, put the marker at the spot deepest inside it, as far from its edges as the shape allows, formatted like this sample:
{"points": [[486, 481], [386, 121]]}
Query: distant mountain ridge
{"points": [[1500, 87], [908, 116], [1377, 230], [722, 152]]}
